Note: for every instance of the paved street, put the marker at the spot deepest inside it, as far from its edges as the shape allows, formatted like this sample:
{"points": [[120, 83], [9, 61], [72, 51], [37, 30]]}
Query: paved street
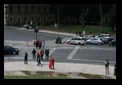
{"points": [[65, 53]]}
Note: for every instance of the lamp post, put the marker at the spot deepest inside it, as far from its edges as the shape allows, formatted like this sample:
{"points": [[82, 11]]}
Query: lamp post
{"points": [[36, 31]]}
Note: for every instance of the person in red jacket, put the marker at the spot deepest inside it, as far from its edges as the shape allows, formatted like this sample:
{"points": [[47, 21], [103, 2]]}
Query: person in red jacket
{"points": [[51, 63]]}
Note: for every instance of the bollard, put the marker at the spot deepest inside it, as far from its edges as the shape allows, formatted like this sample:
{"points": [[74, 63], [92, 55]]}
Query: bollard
{"points": [[27, 43]]}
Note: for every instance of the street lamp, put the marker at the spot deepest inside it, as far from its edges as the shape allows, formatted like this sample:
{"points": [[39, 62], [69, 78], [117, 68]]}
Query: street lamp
{"points": [[36, 31]]}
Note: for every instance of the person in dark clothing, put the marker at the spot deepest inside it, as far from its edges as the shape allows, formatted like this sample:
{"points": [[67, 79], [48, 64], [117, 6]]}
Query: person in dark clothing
{"points": [[47, 54], [107, 67], [37, 42], [34, 53], [34, 43], [115, 70], [26, 58]]}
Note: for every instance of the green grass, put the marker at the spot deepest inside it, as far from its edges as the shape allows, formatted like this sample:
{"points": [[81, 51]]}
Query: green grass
{"points": [[73, 28], [34, 77]]}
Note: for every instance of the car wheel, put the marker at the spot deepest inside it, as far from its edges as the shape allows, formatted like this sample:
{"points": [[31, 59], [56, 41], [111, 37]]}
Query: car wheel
{"points": [[99, 43], [14, 53], [88, 42]]}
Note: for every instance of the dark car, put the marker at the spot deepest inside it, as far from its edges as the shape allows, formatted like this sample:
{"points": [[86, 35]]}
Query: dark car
{"points": [[111, 38], [10, 50], [113, 42]]}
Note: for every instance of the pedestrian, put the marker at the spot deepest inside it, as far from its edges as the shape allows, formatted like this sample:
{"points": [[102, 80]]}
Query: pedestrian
{"points": [[34, 53], [41, 54], [51, 63], [43, 44], [26, 58], [76, 33], [107, 66], [47, 54], [38, 59], [34, 43], [115, 70], [37, 42], [40, 44]]}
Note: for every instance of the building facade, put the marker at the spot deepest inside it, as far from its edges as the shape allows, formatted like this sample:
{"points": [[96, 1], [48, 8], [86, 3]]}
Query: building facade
{"points": [[27, 14]]}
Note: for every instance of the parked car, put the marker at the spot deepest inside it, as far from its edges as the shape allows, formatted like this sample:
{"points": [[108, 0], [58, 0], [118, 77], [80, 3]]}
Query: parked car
{"points": [[95, 41], [77, 40], [111, 38], [8, 49], [113, 42], [88, 37], [104, 35], [105, 40]]}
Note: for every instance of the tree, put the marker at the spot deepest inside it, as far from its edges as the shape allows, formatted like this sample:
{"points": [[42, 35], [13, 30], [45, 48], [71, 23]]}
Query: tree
{"points": [[111, 17]]}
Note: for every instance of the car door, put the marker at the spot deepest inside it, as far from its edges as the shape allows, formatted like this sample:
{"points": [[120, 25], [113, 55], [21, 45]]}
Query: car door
{"points": [[72, 40], [92, 40]]}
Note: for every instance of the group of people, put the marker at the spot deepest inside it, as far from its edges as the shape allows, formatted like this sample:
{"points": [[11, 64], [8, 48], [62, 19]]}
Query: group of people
{"points": [[78, 33], [39, 44], [39, 56]]}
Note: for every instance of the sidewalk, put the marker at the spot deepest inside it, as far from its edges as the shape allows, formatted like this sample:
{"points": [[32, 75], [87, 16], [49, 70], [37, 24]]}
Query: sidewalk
{"points": [[59, 67]]}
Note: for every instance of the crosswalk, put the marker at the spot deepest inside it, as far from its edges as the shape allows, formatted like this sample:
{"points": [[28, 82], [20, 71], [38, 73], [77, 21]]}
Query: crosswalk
{"points": [[30, 43]]}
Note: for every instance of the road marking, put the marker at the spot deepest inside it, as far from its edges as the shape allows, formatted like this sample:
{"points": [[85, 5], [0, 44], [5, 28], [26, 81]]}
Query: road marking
{"points": [[93, 60], [73, 53], [52, 50]]}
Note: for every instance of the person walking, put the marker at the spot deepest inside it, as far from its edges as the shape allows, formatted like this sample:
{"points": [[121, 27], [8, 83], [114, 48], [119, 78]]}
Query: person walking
{"points": [[40, 44], [41, 54], [26, 58], [107, 66], [37, 42], [51, 63], [34, 53], [47, 54], [43, 44], [38, 59]]}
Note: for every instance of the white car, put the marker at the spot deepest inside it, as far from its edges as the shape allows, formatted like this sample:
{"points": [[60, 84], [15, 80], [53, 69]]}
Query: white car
{"points": [[77, 40], [95, 41], [105, 35]]}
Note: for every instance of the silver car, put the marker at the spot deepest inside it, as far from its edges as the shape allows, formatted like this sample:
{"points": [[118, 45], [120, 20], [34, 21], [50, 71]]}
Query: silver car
{"points": [[94, 41], [77, 40]]}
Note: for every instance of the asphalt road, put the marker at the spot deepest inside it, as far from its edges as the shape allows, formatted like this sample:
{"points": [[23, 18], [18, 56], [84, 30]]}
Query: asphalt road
{"points": [[14, 34], [92, 54]]}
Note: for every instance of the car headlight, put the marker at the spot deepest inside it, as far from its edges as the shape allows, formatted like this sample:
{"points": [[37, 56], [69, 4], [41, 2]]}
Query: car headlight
{"points": [[16, 49]]}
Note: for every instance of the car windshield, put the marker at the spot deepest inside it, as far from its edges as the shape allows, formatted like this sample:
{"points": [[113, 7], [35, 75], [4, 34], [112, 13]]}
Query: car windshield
{"points": [[7, 46]]}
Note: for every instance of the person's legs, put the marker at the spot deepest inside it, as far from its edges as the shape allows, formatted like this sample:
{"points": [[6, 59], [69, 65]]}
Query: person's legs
{"points": [[53, 66]]}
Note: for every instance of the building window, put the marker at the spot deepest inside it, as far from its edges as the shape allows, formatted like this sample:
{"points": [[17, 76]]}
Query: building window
{"points": [[25, 8], [11, 19], [11, 9], [32, 8], [39, 18], [18, 8], [50, 17], [38, 9], [26, 18], [32, 18], [45, 9]]}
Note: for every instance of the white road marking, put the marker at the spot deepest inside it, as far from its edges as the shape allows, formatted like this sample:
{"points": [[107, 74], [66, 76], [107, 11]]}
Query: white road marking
{"points": [[52, 50], [73, 53], [92, 60]]}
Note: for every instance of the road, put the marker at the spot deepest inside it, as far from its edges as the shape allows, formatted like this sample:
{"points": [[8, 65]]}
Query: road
{"points": [[92, 54], [14, 34]]}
